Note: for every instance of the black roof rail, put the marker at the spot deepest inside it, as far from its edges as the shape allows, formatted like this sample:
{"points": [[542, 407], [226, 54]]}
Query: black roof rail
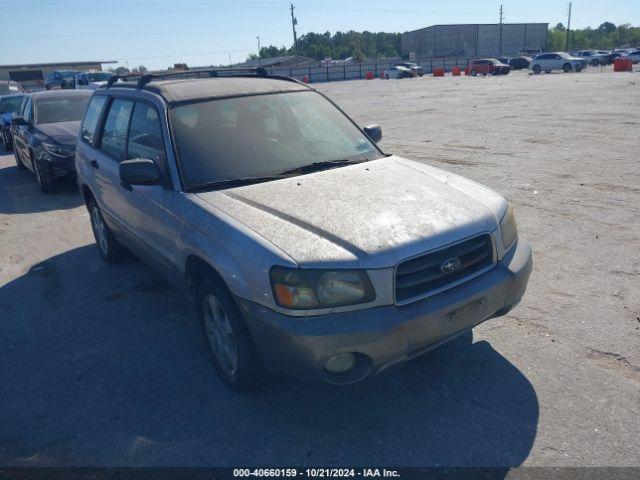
{"points": [[199, 73]]}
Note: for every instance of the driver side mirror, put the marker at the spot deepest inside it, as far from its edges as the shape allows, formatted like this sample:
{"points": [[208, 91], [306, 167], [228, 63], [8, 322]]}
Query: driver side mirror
{"points": [[16, 120], [139, 171], [374, 132]]}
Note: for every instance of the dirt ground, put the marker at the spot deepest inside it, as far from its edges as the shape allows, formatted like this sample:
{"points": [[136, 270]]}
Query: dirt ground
{"points": [[103, 365]]}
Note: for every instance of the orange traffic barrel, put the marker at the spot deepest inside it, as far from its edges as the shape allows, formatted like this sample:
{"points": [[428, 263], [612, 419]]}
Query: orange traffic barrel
{"points": [[455, 71], [438, 72], [369, 76], [306, 79]]}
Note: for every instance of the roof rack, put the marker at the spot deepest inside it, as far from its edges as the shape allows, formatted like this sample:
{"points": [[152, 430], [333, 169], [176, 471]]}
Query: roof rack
{"points": [[200, 73]]}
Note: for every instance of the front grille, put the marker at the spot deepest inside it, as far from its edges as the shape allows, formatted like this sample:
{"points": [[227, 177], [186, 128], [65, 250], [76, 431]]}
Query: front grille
{"points": [[424, 274]]}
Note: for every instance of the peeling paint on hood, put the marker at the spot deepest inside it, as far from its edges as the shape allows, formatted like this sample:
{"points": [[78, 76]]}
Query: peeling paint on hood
{"points": [[369, 215]]}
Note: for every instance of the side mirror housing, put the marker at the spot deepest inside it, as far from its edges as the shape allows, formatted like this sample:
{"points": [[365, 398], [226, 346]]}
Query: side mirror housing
{"points": [[374, 132], [16, 120], [139, 171]]}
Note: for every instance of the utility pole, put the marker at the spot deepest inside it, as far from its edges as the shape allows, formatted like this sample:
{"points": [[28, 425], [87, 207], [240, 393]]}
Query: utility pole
{"points": [[500, 30], [294, 22], [566, 44], [258, 37]]}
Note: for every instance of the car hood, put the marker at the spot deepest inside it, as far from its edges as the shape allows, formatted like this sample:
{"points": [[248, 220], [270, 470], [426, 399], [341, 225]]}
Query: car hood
{"points": [[64, 133], [369, 215]]}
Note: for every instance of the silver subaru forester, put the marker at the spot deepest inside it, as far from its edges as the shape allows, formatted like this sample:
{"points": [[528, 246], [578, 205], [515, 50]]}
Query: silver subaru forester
{"points": [[307, 250]]}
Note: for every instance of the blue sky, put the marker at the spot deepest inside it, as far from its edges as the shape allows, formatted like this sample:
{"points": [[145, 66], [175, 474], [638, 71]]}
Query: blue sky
{"points": [[158, 33]]}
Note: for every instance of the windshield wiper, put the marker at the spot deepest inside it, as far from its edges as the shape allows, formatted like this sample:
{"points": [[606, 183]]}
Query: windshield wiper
{"points": [[236, 182], [317, 166]]}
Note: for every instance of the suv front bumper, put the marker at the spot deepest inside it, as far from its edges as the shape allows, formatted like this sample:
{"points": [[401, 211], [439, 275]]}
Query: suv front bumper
{"points": [[385, 336]]}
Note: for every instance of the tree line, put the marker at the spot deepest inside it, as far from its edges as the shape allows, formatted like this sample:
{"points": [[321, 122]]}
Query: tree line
{"points": [[361, 45], [606, 36]]}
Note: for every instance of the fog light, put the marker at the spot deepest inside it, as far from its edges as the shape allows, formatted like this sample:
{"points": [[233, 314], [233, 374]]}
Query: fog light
{"points": [[340, 363]]}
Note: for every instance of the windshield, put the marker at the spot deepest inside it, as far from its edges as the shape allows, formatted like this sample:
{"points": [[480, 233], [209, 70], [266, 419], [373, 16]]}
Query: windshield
{"points": [[60, 109], [99, 76], [67, 73], [262, 135], [9, 104]]}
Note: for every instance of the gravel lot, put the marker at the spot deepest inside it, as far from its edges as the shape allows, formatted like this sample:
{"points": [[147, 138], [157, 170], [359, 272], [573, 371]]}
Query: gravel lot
{"points": [[103, 365]]}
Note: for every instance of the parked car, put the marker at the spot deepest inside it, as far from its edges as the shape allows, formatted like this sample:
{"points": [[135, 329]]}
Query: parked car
{"points": [[634, 55], [261, 198], [8, 106], [91, 80], [593, 57], [548, 62], [520, 63], [44, 133], [60, 80], [398, 72], [488, 66], [9, 87], [417, 70]]}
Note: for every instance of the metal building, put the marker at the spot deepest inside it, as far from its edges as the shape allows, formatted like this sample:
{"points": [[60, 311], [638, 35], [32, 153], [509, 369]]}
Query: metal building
{"points": [[474, 40]]}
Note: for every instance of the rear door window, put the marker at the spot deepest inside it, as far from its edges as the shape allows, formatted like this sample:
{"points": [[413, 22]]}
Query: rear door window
{"points": [[114, 132]]}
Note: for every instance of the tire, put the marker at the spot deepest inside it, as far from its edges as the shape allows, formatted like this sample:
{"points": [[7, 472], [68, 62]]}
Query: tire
{"points": [[566, 67], [537, 69], [578, 68], [44, 182], [19, 163], [232, 351], [474, 73], [595, 63], [110, 250]]}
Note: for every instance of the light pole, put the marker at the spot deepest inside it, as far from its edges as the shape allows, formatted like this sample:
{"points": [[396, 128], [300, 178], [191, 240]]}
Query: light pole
{"points": [[258, 37]]}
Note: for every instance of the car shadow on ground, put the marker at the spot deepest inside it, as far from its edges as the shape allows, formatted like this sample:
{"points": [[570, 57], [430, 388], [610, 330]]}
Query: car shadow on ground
{"points": [[106, 365], [19, 192]]}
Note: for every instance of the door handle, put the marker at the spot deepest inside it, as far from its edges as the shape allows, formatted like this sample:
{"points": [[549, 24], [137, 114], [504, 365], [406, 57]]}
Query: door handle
{"points": [[94, 164]]}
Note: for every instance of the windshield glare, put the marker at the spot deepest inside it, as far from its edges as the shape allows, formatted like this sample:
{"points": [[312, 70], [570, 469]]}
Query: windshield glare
{"points": [[262, 135], [68, 109]]}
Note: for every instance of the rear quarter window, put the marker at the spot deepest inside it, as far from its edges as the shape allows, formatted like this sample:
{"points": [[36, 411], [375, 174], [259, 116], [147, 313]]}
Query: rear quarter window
{"points": [[92, 116]]}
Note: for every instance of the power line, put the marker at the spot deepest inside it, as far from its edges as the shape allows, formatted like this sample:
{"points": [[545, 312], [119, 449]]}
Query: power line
{"points": [[135, 34]]}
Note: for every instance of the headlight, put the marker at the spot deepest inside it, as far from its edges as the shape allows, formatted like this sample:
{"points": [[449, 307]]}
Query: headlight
{"points": [[307, 289], [58, 150], [508, 228]]}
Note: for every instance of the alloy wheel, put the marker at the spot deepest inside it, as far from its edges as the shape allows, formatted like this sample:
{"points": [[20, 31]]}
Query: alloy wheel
{"points": [[220, 334]]}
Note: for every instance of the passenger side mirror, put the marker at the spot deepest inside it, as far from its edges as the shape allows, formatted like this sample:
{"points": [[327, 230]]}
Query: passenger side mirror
{"points": [[18, 120], [139, 171], [374, 132]]}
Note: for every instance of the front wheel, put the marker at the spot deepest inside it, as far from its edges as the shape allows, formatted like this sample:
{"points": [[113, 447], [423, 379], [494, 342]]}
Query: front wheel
{"points": [[566, 67], [19, 163], [578, 68], [234, 356], [45, 182], [474, 73], [537, 69]]}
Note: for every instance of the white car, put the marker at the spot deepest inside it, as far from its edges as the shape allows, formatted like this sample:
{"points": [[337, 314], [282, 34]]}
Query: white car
{"points": [[556, 61], [594, 57], [398, 72], [634, 55], [91, 80]]}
